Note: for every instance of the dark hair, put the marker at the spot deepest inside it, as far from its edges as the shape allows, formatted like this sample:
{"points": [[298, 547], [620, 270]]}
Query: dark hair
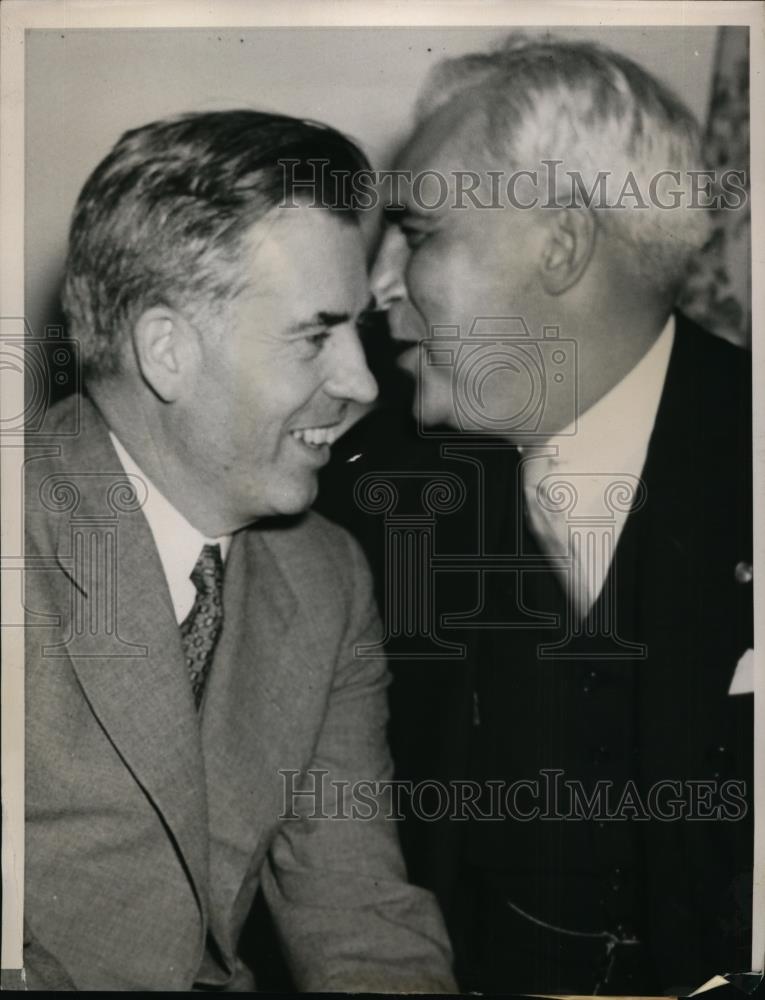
{"points": [[161, 219]]}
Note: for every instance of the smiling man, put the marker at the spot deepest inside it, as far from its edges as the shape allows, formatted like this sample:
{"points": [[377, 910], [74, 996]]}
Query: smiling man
{"points": [[192, 632]]}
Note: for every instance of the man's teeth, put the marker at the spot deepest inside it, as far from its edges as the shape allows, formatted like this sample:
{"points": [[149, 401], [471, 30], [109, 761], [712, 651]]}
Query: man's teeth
{"points": [[316, 436]]}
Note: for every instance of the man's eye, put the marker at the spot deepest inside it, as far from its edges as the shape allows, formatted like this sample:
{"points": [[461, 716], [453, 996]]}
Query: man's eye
{"points": [[414, 237], [317, 339]]}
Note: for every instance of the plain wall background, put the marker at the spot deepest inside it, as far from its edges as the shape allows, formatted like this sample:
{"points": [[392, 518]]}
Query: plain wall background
{"points": [[84, 88]]}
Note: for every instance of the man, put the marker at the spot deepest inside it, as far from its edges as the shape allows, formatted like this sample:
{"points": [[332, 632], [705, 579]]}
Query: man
{"points": [[599, 571], [190, 664]]}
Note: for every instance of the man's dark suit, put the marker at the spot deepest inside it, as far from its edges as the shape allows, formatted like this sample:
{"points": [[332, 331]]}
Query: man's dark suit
{"points": [[683, 589], [150, 827]]}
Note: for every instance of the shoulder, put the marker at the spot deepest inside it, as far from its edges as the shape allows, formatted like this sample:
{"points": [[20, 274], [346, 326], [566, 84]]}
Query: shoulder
{"points": [[318, 557], [709, 427], [710, 353], [71, 435], [63, 452], [713, 378]]}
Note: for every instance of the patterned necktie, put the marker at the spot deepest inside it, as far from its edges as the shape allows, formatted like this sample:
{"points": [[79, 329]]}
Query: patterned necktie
{"points": [[201, 628]]}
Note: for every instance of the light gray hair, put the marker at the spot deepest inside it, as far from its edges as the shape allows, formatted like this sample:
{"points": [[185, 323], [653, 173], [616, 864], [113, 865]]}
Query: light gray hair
{"points": [[595, 110]]}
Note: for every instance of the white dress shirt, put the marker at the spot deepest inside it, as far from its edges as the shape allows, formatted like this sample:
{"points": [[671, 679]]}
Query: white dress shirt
{"points": [[574, 505], [179, 544]]}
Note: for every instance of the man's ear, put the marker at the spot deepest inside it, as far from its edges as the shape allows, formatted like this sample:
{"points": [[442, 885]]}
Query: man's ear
{"points": [[166, 349], [568, 247]]}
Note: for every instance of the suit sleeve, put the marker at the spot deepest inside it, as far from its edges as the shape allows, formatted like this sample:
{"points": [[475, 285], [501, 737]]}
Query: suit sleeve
{"points": [[337, 887], [41, 970]]}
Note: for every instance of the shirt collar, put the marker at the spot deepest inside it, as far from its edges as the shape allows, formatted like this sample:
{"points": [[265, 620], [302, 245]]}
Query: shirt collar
{"points": [[613, 434], [178, 542]]}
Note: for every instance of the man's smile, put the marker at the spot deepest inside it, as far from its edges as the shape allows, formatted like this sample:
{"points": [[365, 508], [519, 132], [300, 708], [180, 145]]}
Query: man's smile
{"points": [[315, 437]]}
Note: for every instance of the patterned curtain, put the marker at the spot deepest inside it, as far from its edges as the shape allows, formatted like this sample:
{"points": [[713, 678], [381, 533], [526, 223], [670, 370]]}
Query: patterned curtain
{"points": [[718, 291]]}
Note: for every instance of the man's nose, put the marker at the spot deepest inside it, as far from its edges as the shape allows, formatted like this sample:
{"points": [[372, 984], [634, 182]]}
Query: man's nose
{"points": [[387, 278], [350, 378]]}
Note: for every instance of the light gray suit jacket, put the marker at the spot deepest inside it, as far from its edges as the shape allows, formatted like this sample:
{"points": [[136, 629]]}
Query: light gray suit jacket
{"points": [[149, 826]]}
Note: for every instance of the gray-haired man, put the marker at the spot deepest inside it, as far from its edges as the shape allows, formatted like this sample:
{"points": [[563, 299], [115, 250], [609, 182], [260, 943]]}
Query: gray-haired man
{"points": [[554, 206]]}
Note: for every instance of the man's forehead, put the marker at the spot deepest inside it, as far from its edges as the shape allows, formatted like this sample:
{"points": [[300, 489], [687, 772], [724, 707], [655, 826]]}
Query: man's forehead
{"points": [[310, 252], [305, 228], [444, 140]]}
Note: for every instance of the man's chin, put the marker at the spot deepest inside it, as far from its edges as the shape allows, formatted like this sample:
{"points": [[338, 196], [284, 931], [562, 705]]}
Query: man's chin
{"points": [[286, 499], [432, 415], [298, 499]]}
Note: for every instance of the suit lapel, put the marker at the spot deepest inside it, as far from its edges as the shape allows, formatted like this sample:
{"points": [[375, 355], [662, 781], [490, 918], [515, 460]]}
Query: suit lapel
{"points": [[124, 643], [256, 714], [655, 530], [667, 550]]}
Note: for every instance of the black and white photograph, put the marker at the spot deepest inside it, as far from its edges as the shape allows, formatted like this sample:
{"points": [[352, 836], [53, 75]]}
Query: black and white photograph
{"points": [[382, 451]]}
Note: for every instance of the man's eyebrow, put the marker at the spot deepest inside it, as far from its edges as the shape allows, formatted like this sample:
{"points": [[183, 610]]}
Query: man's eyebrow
{"points": [[399, 215], [322, 319], [394, 215]]}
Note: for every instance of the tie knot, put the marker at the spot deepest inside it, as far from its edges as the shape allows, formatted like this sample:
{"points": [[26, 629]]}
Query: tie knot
{"points": [[207, 575]]}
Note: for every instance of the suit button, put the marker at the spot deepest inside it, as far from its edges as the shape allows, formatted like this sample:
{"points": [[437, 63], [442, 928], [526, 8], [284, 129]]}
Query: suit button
{"points": [[590, 681], [476, 710], [716, 757], [743, 572]]}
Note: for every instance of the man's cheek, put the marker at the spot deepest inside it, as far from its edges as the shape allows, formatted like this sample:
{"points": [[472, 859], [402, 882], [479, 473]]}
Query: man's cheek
{"points": [[426, 290], [437, 390]]}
